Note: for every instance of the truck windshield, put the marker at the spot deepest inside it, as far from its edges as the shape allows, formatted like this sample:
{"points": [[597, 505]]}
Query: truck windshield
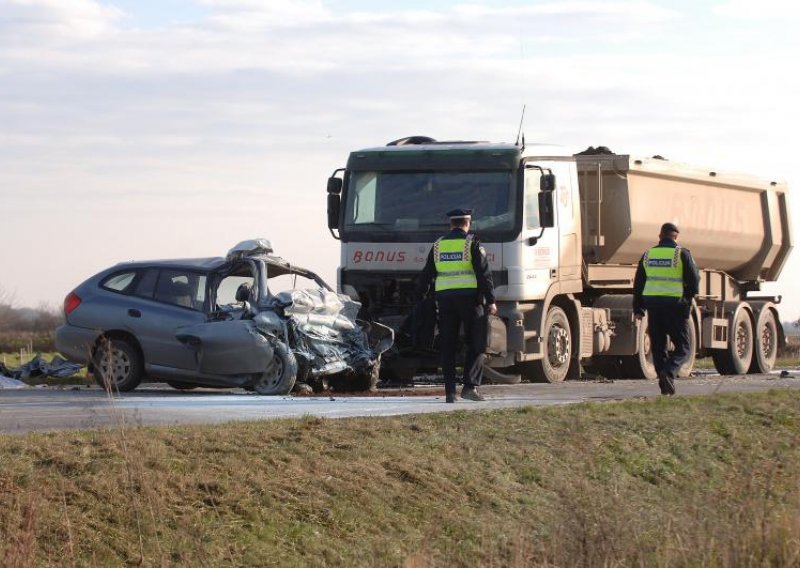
{"points": [[415, 202]]}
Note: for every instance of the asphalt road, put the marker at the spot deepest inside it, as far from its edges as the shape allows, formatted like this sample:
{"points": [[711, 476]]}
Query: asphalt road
{"points": [[43, 409]]}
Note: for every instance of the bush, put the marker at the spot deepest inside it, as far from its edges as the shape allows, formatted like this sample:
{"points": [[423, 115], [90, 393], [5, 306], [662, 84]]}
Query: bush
{"points": [[41, 342], [29, 328]]}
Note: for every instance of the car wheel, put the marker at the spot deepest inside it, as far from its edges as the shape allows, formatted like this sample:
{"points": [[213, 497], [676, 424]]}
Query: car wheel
{"points": [[118, 367], [280, 374]]}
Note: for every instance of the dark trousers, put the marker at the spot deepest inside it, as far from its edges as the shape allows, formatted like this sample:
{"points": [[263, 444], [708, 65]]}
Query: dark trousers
{"points": [[668, 322], [457, 309]]}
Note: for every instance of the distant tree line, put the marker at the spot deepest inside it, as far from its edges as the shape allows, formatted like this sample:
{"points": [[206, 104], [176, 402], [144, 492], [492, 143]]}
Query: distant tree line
{"points": [[27, 327]]}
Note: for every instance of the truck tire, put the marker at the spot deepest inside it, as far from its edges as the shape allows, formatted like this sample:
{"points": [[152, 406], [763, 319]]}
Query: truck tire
{"points": [[688, 366], [118, 367], [640, 365], [736, 358], [553, 367], [765, 347], [280, 375]]}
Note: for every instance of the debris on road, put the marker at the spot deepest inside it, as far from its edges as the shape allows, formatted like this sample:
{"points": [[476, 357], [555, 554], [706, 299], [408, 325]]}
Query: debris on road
{"points": [[39, 367], [9, 383]]}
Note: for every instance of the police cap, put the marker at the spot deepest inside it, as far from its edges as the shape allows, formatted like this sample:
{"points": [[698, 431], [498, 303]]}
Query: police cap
{"points": [[669, 228], [459, 213]]}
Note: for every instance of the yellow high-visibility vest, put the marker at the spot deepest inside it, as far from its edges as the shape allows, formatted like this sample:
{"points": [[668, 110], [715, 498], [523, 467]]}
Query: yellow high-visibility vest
{"points": [[663, 267], [453, 261]]}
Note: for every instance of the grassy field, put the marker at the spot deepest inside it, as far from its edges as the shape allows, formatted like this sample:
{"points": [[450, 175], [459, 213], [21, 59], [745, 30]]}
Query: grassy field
{"points": [[711, 481]]}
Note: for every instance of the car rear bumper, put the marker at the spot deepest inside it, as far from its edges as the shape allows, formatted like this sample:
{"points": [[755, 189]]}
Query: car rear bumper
{"points": [[75, 343]]}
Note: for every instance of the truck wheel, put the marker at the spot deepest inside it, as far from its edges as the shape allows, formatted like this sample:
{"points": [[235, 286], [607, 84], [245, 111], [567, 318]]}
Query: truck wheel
{"points": [[118, 367], [687, 368], [280, 374], [736, 358], [557, 348], [765, 349], [640, 364]]}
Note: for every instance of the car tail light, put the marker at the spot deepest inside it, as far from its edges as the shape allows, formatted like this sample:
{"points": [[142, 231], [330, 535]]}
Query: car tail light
{"points": [[71, 302]]}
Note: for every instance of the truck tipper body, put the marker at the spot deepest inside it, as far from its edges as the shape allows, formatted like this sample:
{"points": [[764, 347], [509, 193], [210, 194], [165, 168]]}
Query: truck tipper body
{"points": [[563, 234]]}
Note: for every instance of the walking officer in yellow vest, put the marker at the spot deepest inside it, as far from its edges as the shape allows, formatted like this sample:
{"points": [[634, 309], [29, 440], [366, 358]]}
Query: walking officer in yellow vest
{"points": [[666, 281], [464, 292]]}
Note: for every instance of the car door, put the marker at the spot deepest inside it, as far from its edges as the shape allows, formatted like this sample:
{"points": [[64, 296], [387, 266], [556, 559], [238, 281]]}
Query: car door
{"points": [[228, 343], [231, 347], [178, 300]]}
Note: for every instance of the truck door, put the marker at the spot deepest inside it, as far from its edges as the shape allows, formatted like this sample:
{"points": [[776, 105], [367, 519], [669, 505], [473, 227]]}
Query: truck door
{"points": [[538, 251], [567, 205]]}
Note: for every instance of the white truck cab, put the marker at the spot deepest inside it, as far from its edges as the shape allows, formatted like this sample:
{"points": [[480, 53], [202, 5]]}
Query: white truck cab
{"points": [[563, 234]]}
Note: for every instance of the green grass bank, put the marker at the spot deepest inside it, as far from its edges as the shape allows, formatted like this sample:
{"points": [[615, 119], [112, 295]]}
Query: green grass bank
{"points": [[712, 481]]}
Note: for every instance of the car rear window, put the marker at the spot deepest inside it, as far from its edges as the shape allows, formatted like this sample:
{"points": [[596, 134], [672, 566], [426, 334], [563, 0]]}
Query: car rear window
{"points": [[121, 282]]}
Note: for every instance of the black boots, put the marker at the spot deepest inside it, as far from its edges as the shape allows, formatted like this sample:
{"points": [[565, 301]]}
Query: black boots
{"points": [[470, 392], [666, 384]]}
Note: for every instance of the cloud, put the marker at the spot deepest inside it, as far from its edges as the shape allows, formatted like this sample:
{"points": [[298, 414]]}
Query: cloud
{"points": [[75, 19], [303, 36], [762, 10], [254, 15]]}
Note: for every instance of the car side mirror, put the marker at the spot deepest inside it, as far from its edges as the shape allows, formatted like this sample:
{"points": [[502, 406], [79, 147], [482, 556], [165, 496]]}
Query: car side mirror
{"points": [[547, 182], [547, 217]]}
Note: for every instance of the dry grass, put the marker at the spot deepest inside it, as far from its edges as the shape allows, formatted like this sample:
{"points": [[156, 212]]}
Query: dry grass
{"points": [[673, 482]]}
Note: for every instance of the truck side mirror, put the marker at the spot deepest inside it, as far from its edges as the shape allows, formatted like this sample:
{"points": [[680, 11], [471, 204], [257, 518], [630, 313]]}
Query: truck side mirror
{"points": [[547, 216], [334, 206], [547, 182], [334, 186]]}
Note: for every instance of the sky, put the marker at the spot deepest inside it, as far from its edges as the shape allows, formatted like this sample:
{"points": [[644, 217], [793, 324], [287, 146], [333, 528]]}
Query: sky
{"points": [[139, 129]]}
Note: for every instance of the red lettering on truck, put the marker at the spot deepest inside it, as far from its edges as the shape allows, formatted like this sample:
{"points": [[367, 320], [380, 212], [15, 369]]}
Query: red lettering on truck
{"points": [[360, 256]]}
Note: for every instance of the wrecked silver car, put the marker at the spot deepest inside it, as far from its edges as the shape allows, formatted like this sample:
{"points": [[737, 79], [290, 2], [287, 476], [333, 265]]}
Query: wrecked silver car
{"points": [[250, 320]]}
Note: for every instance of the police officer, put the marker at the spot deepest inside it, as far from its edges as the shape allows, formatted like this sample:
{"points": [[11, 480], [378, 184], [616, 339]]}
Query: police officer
{"points": [[666, 281], [463, 286]]}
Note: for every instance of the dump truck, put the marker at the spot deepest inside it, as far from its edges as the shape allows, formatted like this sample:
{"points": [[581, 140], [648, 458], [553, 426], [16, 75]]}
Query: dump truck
{"points": [[563, 233]]}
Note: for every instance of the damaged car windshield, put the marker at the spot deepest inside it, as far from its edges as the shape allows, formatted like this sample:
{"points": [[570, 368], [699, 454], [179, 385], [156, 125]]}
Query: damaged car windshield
{"points": [[417, 201]]}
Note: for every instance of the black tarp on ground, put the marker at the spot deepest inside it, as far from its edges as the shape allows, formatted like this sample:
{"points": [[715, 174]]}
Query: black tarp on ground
{"points": [[39, 367]]}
